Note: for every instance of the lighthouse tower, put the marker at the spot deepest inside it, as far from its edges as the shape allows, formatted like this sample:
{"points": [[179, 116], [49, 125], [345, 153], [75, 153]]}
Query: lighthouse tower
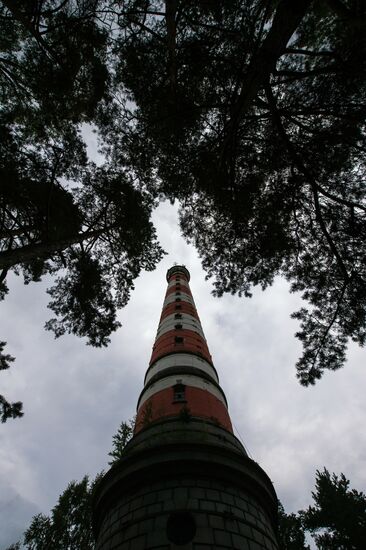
{"points": [[185, 481]]}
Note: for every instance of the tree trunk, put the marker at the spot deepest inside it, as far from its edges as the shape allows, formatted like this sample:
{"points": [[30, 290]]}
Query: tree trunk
{"points": [[21, 16], [287, 18], [43, 250], [170, 14]]}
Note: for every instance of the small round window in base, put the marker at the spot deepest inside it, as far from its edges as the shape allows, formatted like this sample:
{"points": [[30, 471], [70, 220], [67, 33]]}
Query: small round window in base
{"points": [[181, 528]]}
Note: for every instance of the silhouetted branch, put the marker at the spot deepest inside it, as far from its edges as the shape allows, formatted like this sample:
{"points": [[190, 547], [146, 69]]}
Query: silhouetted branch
{"points": [[301, 166]]}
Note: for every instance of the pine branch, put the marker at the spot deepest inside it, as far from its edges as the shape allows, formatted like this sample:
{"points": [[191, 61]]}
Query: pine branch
{"points": [[304, 170], [287, 18]]}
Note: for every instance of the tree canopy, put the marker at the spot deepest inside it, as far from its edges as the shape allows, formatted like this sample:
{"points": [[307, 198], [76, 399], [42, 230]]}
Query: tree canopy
{"points": [[88, 226], [120, 440], [338, 519], [250, 114], [8, 410], [291, 532], [253, 117], [69, 525]]}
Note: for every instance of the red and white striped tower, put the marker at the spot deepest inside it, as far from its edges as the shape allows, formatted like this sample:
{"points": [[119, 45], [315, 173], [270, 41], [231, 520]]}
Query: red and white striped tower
{"points": [[181, 372], [184, 481]]}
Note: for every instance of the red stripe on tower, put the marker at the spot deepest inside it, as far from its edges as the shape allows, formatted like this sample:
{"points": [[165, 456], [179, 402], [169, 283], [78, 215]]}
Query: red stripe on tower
{"points": [[181, 378], [183, 468]]}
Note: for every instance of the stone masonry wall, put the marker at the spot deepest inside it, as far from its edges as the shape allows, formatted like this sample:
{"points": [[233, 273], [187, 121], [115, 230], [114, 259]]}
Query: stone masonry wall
{"points": [[225, 517]]}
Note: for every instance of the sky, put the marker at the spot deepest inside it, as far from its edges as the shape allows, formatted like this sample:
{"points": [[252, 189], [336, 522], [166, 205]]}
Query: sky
{"points": [[75, 396]]}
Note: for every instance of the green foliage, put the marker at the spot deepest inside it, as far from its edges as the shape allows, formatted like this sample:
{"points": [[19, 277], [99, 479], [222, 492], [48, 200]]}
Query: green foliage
{"points": [[338, 519], [291, 533], [262, 140], [5, 359], [8, 410], [251, 114], [120, 440], [15, 546], [88, 227], [39, 535], [59, 211], [69, 525], [83, 302]]}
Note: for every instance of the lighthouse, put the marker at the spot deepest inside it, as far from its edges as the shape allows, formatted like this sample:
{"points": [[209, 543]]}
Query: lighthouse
{"points": [[184, 480]]}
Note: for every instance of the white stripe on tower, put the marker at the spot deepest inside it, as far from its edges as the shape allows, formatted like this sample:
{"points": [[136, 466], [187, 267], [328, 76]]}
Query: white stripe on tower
{"points": [[181, 360], [186, 379], [182, 297], [184, 322]]}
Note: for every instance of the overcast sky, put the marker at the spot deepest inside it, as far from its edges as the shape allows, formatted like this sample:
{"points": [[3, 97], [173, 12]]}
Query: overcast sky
{"points": [[75, 396]]}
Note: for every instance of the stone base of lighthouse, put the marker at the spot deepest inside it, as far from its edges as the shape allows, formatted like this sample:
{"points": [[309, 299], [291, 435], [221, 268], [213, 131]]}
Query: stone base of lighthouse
{"points": [[185, 485]]}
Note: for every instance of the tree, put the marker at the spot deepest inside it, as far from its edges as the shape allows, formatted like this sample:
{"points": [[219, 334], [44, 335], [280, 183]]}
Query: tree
{"points": [[252, 116], [8, 410], [99, 230], [291, 533], [87, 226], [120, 440], [15, 546], [338, 519], [69, 525]]}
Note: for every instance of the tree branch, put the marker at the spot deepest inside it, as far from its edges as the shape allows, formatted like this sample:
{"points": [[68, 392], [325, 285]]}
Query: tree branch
{"points": [[303, 74], [311, 53], [170, 14], [3, 275], [145, 28], [31, 252], [285, 22], [314, 186], [332, 321], [345, 13], [339, 200], [21, 17]]}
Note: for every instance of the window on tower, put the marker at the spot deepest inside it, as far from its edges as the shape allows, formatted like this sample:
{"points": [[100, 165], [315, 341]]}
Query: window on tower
{"points": [[178, 326], [178, 306], [179, 393], [178, 316], [181, 528], [178, 300], [178, 340]]}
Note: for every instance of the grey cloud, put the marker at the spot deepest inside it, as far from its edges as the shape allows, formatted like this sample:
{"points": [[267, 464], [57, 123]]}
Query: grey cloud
{"points": [[75, 396], [15, 512]]}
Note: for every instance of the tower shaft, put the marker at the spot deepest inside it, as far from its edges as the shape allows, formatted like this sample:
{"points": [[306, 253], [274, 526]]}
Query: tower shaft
{"points": [[181, 374], [184, 480]]}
